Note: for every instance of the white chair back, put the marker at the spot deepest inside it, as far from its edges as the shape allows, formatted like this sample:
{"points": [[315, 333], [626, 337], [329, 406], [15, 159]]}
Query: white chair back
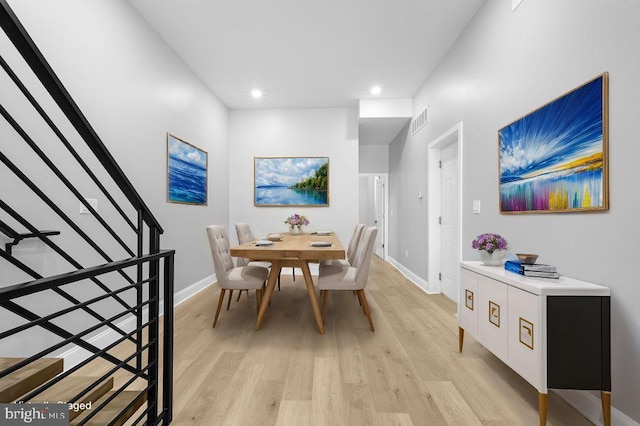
{"points": [[222, 260], [352, 249], [363, 257], [243, 230]]}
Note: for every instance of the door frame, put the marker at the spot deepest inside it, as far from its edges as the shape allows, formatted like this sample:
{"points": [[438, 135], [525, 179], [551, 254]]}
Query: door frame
{"points": [[385, 239], [434, 199]]}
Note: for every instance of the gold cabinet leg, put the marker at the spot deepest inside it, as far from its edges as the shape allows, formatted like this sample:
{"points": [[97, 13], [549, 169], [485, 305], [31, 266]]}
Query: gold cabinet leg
{"points": [[542, 407], [460, 338], [606, 407]]}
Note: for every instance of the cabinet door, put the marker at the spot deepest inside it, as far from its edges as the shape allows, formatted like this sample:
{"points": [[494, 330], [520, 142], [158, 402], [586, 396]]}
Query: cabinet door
{"points": [[492, 315], [468, 306], [525, 331]]}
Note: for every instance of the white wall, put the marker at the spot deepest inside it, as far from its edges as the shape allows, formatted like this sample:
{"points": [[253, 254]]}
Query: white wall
{"points": [[134, 89], [299, 133], [503, 66], [374, 158]]}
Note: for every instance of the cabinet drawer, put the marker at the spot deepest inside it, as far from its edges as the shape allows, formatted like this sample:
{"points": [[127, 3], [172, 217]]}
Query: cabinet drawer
{"points": [[492, 315], [468, 305], [525, 345]]}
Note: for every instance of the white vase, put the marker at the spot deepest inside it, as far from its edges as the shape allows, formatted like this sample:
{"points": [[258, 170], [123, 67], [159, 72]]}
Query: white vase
{"points": [[493, 259], [294, 230]]}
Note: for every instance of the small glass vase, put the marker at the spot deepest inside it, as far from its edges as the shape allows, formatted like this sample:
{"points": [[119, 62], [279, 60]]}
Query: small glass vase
{"points": [[295, 230], [493, 259]]}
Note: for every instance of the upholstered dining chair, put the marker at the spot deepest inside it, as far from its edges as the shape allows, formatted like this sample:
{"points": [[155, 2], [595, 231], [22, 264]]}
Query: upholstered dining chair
{"points": [[232, 277], [352, 249], [353, 277], [243, 230]]}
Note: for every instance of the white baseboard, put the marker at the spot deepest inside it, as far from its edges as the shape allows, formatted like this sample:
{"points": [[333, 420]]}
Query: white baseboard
{"points": [[73, 357], [419, 282], [590, 406]]}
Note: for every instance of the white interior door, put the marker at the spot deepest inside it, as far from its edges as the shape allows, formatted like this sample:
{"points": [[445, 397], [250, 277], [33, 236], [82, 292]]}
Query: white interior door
{"points": [[379, 202], [449, 220]]}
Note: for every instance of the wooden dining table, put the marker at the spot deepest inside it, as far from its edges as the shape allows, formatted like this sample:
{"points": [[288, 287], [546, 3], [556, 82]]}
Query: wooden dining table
{"points": [[293, 250]]}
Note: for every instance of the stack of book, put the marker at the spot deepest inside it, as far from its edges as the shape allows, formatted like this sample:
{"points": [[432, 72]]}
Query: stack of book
{"points": [[538, 270]]}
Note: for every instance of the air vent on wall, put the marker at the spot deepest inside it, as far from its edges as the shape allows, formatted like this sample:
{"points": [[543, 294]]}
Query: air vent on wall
{"points": [[419, 122]]}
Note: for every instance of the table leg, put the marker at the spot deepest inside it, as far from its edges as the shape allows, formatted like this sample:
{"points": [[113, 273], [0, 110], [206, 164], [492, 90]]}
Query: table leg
{"points": [[266, 298], [312, 294]]}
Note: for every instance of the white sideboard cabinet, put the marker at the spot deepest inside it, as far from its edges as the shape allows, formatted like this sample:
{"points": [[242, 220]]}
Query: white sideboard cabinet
{"points": [[555, 333]]}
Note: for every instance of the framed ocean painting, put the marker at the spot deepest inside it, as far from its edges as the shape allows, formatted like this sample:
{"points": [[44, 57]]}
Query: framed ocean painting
{"points": [[186, 172], [555, 158], [291, 181]]}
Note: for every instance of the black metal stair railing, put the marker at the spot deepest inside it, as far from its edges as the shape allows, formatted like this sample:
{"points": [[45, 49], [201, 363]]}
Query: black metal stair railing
{"points": [[117, 254]]}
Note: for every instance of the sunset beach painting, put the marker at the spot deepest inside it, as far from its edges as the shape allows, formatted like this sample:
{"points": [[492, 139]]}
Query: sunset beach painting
{"points": [[555, 158]]}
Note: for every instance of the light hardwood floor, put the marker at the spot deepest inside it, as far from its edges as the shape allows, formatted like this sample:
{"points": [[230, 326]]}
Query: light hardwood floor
{"points": [[408, 372]]}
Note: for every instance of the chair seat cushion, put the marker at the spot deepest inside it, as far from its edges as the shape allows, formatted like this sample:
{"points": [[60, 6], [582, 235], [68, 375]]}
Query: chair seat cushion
{"points": [[337, 277], [246, 277]]}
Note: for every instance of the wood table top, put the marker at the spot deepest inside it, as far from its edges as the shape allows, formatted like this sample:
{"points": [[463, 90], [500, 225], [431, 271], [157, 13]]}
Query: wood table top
{"points": [[297, 246]]}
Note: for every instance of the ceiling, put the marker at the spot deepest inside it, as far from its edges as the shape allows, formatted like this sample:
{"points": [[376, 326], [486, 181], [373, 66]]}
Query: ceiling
{"points": [[305, 54]]}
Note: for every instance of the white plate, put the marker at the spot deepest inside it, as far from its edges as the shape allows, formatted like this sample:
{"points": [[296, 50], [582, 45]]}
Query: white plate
{"points": [[321, 244], [323, 232], [264, 243]]}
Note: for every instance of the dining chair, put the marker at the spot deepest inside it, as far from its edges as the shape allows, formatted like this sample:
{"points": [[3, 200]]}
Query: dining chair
{"points": [[353, 277], [232, 277], [243, 231], [352, 249]]}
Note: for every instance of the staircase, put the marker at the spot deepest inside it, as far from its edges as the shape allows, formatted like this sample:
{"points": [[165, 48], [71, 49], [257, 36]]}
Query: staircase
{"points": [[87, 289], [114, 408]]}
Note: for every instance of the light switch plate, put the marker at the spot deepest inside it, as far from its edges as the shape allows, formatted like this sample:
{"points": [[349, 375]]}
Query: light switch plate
{"points": [[476, 206], [92, 202]]}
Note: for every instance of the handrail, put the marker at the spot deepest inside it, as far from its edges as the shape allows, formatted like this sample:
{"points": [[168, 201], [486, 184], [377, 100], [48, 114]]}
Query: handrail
{"points": [[41, 68], [77, 317]]}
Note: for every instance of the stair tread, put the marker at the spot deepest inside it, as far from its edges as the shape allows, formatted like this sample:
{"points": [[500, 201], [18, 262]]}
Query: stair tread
{"points": [[109, 413], [69, 387], [20, 382]]}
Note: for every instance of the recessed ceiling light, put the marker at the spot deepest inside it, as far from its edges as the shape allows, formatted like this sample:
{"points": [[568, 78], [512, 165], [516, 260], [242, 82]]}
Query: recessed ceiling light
{"points": [[256, 93], [375, 90]]}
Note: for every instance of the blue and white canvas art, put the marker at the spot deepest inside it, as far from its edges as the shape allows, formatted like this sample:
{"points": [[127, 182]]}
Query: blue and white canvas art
{"points": [[186, 172], [291, 181], [555, 158]]}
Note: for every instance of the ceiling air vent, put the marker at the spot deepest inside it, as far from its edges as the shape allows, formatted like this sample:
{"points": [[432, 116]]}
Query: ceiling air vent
{"points": [[419, 122]]}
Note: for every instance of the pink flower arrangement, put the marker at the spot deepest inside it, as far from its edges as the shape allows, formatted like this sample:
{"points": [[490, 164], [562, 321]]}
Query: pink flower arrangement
{"points": [[489, 243], [296, 220]]}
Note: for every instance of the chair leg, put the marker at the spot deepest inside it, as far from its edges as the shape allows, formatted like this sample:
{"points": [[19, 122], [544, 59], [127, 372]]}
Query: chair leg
{"points": [[293, 272], [356, 294], [360, 301], [215, 319], [230, 297], [325, 299], [240, 294], [365, 305]]}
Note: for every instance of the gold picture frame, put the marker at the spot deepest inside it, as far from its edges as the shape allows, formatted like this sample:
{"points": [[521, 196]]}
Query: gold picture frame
{"points": [[187, 173], [291, 181], [555, 159], [526, 333], [494, 313], [468, 299]]}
